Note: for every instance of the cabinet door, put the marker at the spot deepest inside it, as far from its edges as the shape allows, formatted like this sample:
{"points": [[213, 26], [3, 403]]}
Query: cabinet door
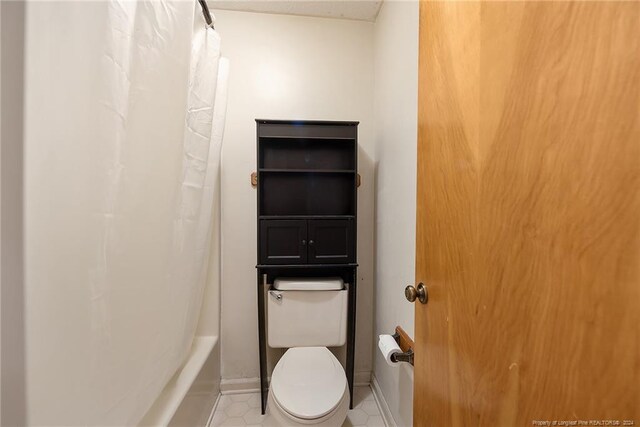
{"points": [[283, 241], [331, 241]]}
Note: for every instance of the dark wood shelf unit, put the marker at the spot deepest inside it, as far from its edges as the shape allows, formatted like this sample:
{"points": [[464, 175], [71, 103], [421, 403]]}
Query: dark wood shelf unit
{"points": [[307, 213]]}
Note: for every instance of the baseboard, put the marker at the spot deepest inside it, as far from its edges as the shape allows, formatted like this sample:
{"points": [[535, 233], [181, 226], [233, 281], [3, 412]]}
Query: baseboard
{"points": [[362, 378], [240, 385], [382, 403], [252, 385]]}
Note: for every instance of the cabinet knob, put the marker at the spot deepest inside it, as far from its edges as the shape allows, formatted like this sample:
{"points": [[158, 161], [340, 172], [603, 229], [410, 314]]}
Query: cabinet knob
{"points": [[420, 293], [311, 242], [304, 242]]}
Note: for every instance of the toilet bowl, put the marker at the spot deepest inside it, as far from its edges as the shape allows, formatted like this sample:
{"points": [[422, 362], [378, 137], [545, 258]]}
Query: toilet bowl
{"points": [[308, 387]]}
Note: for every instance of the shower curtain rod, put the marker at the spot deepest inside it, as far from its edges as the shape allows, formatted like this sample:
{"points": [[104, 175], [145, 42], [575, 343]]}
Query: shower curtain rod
{"points": [[206, 13]]}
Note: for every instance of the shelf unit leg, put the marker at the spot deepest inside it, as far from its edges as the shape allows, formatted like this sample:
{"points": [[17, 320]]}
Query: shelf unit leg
{"points": [[351, 334], [264, 387]]}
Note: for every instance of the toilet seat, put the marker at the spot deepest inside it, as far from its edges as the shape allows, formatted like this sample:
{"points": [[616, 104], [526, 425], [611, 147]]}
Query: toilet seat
{"points": [[308, 382], [280, 417]]}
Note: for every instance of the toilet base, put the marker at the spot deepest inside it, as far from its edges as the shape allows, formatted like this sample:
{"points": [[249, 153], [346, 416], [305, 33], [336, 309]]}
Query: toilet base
{"points": [[278, 417]]}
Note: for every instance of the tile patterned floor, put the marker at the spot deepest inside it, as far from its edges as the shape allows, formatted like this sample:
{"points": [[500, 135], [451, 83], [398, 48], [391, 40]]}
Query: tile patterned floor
{"points": [[244, 410]]}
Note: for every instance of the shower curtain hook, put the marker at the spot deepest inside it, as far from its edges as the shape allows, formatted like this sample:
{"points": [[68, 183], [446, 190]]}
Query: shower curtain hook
{"points": [[206, 13]]}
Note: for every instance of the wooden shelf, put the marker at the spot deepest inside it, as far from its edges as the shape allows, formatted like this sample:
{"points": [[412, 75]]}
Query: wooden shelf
{"points": [[307, 217], [265, 266], [311, 138], [306, 154], [307, 194], [320, 171], [308, 122]]}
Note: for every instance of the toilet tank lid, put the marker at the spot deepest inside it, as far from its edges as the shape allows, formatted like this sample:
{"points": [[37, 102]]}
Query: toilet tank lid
{"points": [[308, 284]]}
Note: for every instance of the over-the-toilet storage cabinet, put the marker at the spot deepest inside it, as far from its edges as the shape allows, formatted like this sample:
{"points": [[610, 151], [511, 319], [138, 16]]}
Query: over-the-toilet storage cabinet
{"points": [[307, 204]]}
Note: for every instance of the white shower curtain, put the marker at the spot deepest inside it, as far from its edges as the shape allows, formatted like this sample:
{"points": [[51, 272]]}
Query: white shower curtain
{"points": [[125, 105]]}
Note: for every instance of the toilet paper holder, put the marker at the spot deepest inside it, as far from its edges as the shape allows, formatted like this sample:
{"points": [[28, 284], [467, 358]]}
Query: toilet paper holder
{"points": [[406, 345]]}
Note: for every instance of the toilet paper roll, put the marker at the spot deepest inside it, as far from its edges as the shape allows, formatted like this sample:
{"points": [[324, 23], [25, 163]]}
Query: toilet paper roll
{"points": [[388, 346]]}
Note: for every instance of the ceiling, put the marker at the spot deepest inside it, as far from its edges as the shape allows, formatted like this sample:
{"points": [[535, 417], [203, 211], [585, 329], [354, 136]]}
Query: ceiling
{"points": [[362, 10]]}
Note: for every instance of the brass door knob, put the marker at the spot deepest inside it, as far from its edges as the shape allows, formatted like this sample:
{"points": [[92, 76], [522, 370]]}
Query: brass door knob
{"points": [[419, 293]]}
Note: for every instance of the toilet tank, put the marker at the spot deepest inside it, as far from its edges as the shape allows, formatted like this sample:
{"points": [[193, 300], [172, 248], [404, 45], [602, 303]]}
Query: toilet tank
{"points": [[307, 313]]}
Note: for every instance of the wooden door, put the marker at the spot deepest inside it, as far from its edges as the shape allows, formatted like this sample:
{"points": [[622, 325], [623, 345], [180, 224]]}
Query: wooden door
{"points": [[528, 213]]}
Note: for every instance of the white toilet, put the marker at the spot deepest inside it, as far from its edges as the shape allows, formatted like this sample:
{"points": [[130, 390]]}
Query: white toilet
{"points": [[308, 385]]}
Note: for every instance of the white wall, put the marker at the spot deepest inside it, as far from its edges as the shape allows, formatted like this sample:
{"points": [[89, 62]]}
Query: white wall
{"points": [[396, 90], [288, 67]]}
